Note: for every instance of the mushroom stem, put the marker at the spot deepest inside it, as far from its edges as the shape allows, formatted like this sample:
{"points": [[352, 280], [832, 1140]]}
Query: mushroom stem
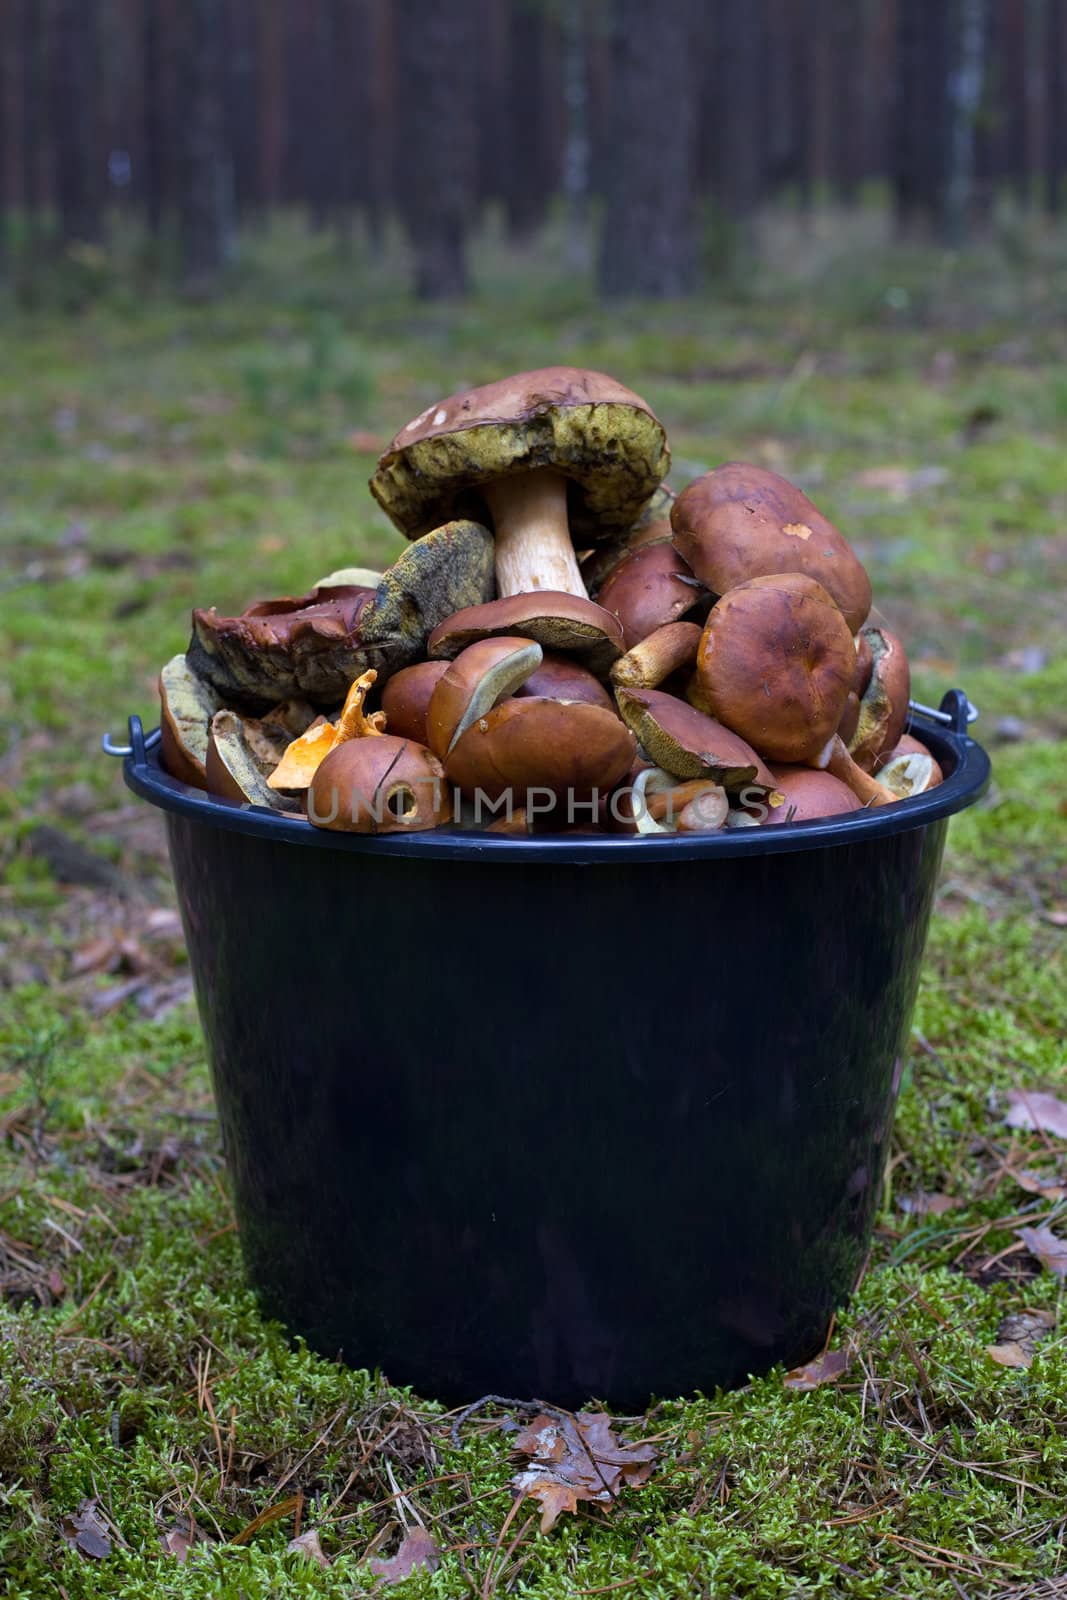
{"points": [[835, 759], [533, 540]]}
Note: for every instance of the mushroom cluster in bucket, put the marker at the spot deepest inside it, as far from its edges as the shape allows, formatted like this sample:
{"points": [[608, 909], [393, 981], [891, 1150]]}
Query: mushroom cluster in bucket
{"points": [[564, 645]]}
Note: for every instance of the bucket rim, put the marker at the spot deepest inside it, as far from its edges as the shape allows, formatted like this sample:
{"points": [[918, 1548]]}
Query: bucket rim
{"points": [[966, 763]]}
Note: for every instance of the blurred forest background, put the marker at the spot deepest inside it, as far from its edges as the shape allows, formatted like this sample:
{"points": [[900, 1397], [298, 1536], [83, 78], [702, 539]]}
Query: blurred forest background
{"points": [[657, 132]]}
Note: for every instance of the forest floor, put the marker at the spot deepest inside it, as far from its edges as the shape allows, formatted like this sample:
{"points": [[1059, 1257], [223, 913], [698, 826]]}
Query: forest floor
{"points": [[157, 456]]}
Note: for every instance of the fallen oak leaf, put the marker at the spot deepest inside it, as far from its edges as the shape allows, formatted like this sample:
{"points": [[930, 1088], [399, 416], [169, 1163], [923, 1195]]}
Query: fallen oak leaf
{"points": [[827, 1368], [1050, 1250], [86, 1531], [1019, 1335], [308, 1545], [417, 1549], [576, 1457], [1036, 1183], [1036, 1111]]}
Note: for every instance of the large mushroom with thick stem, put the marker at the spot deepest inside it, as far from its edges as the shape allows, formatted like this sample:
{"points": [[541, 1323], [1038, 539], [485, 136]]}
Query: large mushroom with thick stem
{"points": [[558, 458]]}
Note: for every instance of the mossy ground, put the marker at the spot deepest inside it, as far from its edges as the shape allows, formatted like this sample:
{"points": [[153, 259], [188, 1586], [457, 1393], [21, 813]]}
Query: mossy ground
{"points": [[156, 456]]}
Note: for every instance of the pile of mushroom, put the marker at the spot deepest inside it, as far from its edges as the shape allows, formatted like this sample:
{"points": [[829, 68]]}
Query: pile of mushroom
{"points": [[565, 644]]}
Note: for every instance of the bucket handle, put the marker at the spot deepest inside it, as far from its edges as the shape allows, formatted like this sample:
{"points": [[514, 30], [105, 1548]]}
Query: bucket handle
{"points": [[139, 745], [955, 712]]}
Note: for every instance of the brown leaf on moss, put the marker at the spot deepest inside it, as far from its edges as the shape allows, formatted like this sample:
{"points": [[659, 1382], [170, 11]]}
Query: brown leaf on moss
{"points": [[417, 1549], [1018, 1336], [827, 1368], [87, 1532], [1050, 1250], [1043, 1112], [308, 1545], [571, 1458]]}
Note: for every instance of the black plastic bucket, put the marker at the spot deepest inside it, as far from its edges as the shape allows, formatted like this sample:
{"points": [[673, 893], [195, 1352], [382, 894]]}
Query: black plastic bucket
{"points": [[567, 1116]]}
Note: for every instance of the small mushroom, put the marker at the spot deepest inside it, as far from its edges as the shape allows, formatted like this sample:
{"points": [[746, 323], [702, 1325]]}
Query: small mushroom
{"points": [[650, 587], [690, 745], [836, 759], [776, 663], [187, 704], [384, 785], [557, 621], [525, 748], [910, 772], [406, 699], [556, 454], [232, 771], [480, 676], [269, 737], [883, 709], [560, 677], [908, 745], [663, 652], [741, 522]]}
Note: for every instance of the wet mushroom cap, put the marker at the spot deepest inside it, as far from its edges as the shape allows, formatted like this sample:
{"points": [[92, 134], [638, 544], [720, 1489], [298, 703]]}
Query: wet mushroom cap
{"points": [[381, 785], [688, 744], [557, 621], [278, 648], [487, 671], [807, 794], [776, 662], [741, 522], [652, 526], [550, 745], [650, 587], [406, 699], [560, 677], [599, 435]]}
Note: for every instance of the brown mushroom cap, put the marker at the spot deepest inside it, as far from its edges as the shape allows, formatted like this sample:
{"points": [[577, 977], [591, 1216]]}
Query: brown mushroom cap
{"points": [[187, 704], [406, 699], [560, 677], [487, 671], [525, 745], [776, 662], [652, 526], [884, 705], [650, 587], [741, 522], [382, 785], [809, 793], [690, 745], [561, 622], [592, 430]]}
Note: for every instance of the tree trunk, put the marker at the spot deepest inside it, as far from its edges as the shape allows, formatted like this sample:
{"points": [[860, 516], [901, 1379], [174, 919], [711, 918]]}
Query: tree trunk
{"points": [[435, 168], [739, 49], [5, 124], [203, 201], [648, 244], [29, 52], [531, 174], [921, 122], [966, 83], [152, 132], [848, 100], [73, 113], [1055, 111]]}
